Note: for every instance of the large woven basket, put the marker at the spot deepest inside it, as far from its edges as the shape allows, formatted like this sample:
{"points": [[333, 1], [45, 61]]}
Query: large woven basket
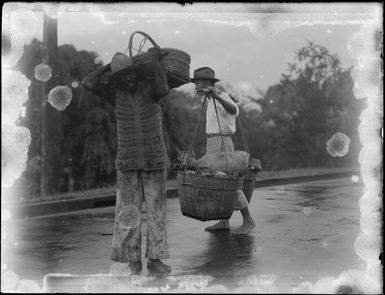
{"points": [[205, 197], [175, 63]]}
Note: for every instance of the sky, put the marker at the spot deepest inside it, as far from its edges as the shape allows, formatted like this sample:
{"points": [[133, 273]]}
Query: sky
{"points": [[248, 50]]}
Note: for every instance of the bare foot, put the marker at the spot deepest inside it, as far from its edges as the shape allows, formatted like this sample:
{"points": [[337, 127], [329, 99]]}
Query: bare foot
{"points": [[157, 267], [245, 228], [221, 225], [135, 267]]}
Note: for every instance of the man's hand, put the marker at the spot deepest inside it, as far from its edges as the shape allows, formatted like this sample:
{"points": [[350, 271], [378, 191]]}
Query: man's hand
{"points": [[155, 53], [213, 92], [203, 91]]}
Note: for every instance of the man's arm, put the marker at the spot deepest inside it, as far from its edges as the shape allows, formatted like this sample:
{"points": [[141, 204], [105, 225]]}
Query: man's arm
{"points": [[94, 83], [230, 107], [161, 87]]}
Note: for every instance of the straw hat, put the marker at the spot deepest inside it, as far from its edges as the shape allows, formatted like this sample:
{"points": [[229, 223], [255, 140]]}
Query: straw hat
{"points": [[120, 64], [204, 73]]}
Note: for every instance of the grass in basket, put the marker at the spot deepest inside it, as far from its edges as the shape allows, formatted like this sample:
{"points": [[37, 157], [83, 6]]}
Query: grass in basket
{"points": [[184, 158]]}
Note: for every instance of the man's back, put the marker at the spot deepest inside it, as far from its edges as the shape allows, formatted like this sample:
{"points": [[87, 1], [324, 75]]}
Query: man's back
{"points": [[139, 126]]}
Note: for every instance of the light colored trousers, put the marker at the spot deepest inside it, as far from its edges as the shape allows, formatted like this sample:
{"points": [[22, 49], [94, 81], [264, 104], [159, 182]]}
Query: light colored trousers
{"points": [[214, 145], [134, 187]]}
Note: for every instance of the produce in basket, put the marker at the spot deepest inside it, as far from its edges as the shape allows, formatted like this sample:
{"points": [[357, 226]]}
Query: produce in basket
{"points": [[237, 162], [183, 158]]}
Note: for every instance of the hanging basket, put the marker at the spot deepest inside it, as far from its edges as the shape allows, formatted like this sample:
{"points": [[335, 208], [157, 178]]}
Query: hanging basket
{"points": [[250, 177], [175, 62], [249, 183], [207, 197]]}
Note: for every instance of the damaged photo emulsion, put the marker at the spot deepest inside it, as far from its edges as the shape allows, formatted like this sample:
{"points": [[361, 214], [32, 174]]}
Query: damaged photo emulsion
{"points": [[226, 37]]}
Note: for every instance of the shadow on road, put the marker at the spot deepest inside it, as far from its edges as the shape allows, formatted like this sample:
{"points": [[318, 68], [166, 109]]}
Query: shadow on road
{"points": [[226, 254]]}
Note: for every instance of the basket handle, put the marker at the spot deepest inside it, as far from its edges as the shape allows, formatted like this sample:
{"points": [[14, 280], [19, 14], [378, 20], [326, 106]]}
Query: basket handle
{"points": [[146, 37], [197, 126]]}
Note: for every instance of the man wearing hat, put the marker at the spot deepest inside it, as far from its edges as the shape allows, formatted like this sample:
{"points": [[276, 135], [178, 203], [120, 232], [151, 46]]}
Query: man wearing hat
{"points": [[141, 161], [227, 109]]}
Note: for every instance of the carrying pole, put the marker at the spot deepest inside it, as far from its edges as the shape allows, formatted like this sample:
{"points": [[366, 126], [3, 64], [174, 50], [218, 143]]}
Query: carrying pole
{"points": [[197, 126], [220, 131]]}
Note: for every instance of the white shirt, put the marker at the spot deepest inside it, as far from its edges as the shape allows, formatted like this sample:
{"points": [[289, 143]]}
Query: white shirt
{"points": [[227, 120]]}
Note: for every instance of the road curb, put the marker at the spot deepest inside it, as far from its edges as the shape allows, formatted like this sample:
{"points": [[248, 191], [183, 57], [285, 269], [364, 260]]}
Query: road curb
{"points": [[307, 178], [55, 207]]}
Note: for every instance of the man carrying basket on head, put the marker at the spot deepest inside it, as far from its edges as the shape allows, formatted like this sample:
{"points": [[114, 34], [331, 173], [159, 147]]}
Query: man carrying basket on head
{"points": [[204, 79], [141, 158]]}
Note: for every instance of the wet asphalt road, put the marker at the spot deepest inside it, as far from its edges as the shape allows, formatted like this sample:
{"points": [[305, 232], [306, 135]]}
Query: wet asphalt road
{"points": [[304, 232]]}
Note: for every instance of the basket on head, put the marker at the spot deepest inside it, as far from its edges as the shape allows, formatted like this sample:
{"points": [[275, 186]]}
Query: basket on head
{"points": [[175, 63], [206, 197]]}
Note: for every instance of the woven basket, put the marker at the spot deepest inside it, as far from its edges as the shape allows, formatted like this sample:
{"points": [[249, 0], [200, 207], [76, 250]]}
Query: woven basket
{"points": [[249, 183], [205, 197], [176, 64]]}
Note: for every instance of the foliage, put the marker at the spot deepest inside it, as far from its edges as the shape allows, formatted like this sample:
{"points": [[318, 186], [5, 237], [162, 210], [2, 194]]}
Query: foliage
{"points": [[311, 103], [72, 127]]}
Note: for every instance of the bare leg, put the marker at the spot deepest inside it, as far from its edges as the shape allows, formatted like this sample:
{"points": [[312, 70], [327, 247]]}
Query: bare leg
{"points": [[247, 225], [222, 224], [154, 186]]}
